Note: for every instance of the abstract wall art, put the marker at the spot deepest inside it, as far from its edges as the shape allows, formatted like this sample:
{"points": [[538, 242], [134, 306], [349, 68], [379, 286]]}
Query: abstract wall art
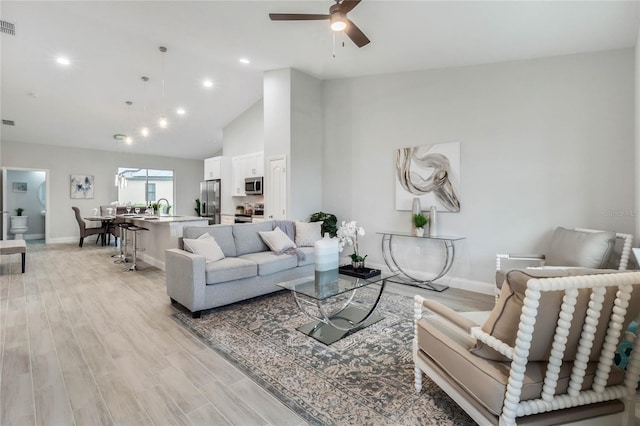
{"points": [[81, 186], [19, 186], [431, 173]]}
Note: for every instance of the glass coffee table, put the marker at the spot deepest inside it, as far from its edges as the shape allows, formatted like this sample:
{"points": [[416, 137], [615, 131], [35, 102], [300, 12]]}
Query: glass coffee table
{"points": [[330, 299]]}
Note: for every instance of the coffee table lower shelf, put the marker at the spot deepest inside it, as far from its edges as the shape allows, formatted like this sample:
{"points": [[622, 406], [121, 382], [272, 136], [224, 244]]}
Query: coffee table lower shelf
{"points": [[328, 334]]}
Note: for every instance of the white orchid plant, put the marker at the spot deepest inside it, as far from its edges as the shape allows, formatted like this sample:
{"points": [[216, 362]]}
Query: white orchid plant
{"points": [[348, 234]]}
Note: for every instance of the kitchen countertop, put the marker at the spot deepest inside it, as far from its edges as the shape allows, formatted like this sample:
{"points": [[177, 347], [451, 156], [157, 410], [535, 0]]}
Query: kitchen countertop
{"points": [[164, 219]]}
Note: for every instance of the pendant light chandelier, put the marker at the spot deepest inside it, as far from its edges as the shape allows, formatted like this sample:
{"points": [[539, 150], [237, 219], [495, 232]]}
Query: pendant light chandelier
{"points": [[144, 130], [163, 122]]}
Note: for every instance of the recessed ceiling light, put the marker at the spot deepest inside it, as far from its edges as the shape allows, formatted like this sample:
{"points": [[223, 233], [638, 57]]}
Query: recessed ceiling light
{"points": [[144, 131], [61, 60], [128, 140], [207, 83], [244, 61], [181, 111]]}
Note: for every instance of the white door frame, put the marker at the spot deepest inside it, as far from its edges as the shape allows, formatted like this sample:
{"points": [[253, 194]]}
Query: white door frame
{"points": [[5, 188], [269, 205]]}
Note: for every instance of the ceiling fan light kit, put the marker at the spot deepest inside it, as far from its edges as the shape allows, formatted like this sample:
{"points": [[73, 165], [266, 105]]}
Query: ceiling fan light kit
{"points": [[337, 18]]}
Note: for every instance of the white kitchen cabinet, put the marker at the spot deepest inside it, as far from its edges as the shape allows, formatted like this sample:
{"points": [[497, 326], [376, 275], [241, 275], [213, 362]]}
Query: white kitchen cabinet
{"points": [[242, 167], [213, 168], [237, 176]]}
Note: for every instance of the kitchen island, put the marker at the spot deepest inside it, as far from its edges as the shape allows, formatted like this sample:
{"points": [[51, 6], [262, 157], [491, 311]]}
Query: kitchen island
{"points": [[163, 233]]}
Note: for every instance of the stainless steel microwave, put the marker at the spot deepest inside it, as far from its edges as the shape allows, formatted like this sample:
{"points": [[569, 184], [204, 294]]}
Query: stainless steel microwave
{"points": [[253, 186]]}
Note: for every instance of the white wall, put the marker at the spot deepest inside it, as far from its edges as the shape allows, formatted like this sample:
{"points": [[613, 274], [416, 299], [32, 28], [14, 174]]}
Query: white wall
{"points": [[544, 142], [62, 162], [306, 146], [244, 135]]}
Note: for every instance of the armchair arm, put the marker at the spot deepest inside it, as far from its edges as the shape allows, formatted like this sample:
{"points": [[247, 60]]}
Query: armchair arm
{"points": [[185, 278], [449, 314], [513, 256]]}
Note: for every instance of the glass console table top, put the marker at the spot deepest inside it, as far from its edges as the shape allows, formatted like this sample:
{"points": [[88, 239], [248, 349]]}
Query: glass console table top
{"points": [[435, 237], [330, 285]]}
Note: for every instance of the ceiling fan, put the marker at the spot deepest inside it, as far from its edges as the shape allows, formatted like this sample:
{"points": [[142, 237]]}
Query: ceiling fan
{"points": [[337, 16]]}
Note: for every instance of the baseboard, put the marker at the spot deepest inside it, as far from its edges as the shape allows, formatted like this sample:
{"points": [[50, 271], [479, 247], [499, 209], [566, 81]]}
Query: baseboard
{"points": [[64, 240], [151, 261], [34, 236], [453, 282]]}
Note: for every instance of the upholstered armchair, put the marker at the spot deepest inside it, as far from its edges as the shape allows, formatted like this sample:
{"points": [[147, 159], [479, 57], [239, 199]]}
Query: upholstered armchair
{"points": [[579, 247], [544, 354]]}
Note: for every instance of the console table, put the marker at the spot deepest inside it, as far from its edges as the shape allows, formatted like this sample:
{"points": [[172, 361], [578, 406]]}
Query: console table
{"points": [[406, 278]]}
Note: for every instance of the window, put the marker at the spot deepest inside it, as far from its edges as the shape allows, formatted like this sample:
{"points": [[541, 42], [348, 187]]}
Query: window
{"points": [[144, 186], [151, 192]]}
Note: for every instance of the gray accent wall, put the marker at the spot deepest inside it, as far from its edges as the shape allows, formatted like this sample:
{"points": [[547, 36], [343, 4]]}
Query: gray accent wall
{"points": [[62, 162], [544, 143]]}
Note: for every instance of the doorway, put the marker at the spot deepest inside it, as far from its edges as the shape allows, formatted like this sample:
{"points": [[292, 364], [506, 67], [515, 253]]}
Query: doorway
{"points": [[276, 188], [25, 192]]}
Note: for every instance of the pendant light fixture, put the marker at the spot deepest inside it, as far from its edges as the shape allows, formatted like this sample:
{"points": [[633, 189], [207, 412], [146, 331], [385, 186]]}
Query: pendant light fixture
{"points": [[144, 130], [163, 122], [128, 139]]}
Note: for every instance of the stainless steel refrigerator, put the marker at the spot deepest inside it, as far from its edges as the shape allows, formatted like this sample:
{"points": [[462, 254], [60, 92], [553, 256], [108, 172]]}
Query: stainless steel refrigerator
{"points": [[210, 200]]}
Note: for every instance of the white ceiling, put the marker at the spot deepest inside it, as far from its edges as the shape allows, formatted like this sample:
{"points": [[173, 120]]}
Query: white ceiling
{"points": [[113, 44]]}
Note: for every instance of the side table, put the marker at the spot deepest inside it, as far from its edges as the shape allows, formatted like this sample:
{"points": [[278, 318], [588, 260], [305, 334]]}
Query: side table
{"points": [[406, 278]]}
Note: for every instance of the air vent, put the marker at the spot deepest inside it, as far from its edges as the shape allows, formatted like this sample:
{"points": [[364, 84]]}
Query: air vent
{"points": [[7, 28], [8, 122]]}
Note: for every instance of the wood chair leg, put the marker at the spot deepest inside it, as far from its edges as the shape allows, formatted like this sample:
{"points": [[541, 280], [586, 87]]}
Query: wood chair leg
{"points": [[24, 261], [81, 241]]}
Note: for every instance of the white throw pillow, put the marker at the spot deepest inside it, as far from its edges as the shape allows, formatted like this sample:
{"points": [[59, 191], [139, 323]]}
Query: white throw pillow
{"points": [[276, 240], [205, 245], [308, 233]]}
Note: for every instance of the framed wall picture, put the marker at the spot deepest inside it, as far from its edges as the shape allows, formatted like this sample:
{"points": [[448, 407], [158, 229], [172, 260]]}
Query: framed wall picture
{"points": [[81, 186], [19, 186], [430, 173]]}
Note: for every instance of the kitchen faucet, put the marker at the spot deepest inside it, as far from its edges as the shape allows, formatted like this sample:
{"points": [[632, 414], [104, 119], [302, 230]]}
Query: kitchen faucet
{"points": [[164, 210]]}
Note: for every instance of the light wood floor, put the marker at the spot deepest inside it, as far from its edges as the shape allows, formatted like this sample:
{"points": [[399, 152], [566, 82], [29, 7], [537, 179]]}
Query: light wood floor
{"points": [[82, 342]]}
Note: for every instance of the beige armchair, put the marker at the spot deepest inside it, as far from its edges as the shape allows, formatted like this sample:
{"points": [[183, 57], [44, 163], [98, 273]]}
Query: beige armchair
{"points": [[544, 355], [579, 247]]}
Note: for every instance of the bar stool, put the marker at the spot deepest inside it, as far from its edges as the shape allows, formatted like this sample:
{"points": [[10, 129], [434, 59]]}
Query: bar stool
{"points": [[122, 256], [135, 229]]}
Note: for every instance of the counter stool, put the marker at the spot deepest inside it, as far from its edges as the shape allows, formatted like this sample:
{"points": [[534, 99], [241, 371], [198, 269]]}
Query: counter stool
{"points": [[122, 256], [135, 229]]}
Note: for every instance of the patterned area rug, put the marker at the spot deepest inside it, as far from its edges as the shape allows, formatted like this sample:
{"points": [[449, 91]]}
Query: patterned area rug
{"points": [[365, 378]]}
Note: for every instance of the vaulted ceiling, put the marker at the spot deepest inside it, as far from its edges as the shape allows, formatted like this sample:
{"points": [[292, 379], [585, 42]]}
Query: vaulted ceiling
{"points": [[111, 45]]}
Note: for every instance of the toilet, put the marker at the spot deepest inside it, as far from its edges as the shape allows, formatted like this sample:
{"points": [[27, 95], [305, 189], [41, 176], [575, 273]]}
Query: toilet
{"points": [[18, 227]]}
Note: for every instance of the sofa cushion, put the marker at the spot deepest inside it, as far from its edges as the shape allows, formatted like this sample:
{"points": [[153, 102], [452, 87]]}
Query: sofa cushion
{"points": [[247, 238], [222, 234], [569, 247], [504, 318], [205, 245], [486, 380], [277, 240], [309, 256], [307, 233], [228, 269], [268, 262]]}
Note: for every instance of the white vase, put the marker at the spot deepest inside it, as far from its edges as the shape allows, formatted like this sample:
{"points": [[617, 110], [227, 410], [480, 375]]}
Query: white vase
{"points": [[433, 222], [419, 232]]}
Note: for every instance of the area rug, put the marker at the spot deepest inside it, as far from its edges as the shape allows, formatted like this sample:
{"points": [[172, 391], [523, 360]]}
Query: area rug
{"points": [[365, 378]]}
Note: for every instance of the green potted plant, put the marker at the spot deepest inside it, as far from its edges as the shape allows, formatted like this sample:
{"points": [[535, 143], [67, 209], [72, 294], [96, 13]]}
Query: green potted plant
{"points": [[19, 211], [419, 221], [156, 208], [329, 222]]}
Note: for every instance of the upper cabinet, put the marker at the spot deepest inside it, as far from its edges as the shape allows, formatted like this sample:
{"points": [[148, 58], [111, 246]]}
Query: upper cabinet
{"points": [[213, 168], [245, 166]]}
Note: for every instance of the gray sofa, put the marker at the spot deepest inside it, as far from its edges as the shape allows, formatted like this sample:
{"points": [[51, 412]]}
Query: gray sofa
{"points": [[249, 268]]}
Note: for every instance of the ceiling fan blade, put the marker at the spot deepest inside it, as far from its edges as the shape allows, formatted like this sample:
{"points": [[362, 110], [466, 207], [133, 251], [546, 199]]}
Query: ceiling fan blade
{"points": [[356, 35], [347, 5], [296, 17]]}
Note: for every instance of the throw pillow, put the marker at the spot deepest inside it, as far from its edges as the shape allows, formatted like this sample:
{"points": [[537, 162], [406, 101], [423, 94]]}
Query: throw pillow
{"points": [[307, 233], [277, 240], [205, 245], [504, 319], [569, 247]]}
